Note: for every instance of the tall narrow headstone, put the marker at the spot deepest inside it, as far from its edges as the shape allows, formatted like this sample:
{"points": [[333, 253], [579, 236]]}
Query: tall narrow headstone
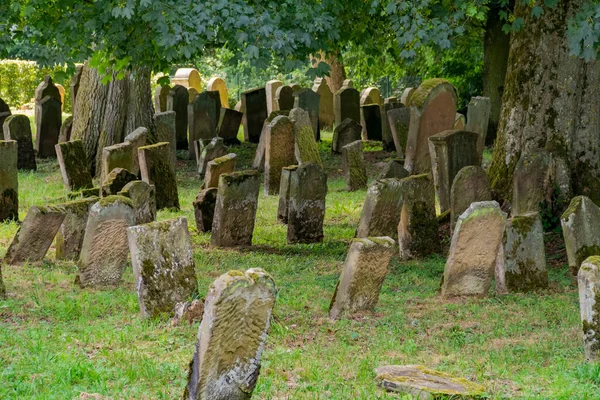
{"points": [[18, 128], [478, 118], [381, 212], [45, 88], [160, 98], [532, 181], [157, 170], [216, 84], [471, 184], [254, 106], [143, 200], [346, 104], [271, 91], [203, 118], [345, 133], [386, 131], [370, 119], [137, 138], [74, 166], [399, 122], [306, 206], [69, 237], [309, 101], [166, 131], [353, 165], [588, 281], [306, 148], [279, 151], [230, 126], [259, 157], [204, 209], [177, 101], [9, 181], [284, 193], [48, 126], [326, 115], [581, 231], [214, 149]]}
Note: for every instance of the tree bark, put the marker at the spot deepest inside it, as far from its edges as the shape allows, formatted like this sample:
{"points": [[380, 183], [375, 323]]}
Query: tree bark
{"points": [[551, 100], [337, 73]]}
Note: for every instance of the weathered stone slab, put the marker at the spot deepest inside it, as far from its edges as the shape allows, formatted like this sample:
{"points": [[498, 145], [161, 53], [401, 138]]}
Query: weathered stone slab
{"points": [[215, 149], [353, 165], [399, 122], [475, 243], [386, 131], [230, 126], [163, 265], [284, 97], [471, 185], [161, 94], [532, 181], [346, 104], [166, 131], [381, 211], [69, 237], [231, 336], [137, 138], [254, 106], [460, 122], [394, 168], [46, 88], [404, 99], [216, 84], [309, 101], [204, 209], [581, 230], [588, 280], [478, 118], [259, 156], [326, 115], [74, 166], [348, 83], [157, 170], [370, 119], [279, 151], [220, 165], [177, 101], [188, 78], [116, 156], [370, 95], [103, 256], [284, 193], [271, 91], [116, 181], [35, 235], [75, 80], [362, 276], [306, 149], [203, 116], [65, 130], [143, 199], [48, 126], [345, 133], [9, 181], [306, 205], [235, 211], [18, 128]]}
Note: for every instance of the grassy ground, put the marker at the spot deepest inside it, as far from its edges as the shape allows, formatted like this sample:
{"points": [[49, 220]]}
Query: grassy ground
{"points": [[58, 341]]}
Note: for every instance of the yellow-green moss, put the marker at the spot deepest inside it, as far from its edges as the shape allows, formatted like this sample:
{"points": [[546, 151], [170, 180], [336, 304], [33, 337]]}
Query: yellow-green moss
{"points": [[419, 96]]}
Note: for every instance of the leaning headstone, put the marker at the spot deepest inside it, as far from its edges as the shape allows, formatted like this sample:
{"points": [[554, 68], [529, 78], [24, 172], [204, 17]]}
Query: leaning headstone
{"points": [[406, 95], [166, 131], [475, 243], [203, 118], [18, 128], [346, 104], [235, 211], [284, 98], [284, 193], [306, 205], [143, 199], [279, 151], [163, 265], [231, 336], [588, 281], [271, 91], [386, 131], [69, 237], [177, 101], [478, 117], [48, 126], [432, 110], [115, 181], [35, 235], [353, 165], [157, 170], [525, 257], [326, 116], [366, 266], [381, 211], [217, 166], [471, 185], [394, 168], [254, 104], [116, 156], [581, 231], [399, 122], [216, 84], [532, 181], [309, 101], [460, 122], [9, 181], [160, 98], [370, 119], [230, 126], [450, 151], [259, 157], [73, 165], [137, 138], [65, 130], [306, 149], [204, 209], [345, 133], [215, 149], [103, 256]]}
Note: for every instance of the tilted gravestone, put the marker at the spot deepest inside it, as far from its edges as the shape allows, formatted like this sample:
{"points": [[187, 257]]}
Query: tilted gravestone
{"points": [[161, 94], [588, 281], [48, 126], [306, 149], [103, 256], [386, 131], [235, 211], [215, 149], [399, 122], [116, 181], [230, 126], [231, 336], [116, 156], [157, 170], [532, 181], [35, 235], [381, 211], [163, 265], [216, 167], [74, 166], [166, 131], [203, 118], [394, 168], [345, 133], [346, 104], [362, 275], [471, 184], [326, 116], [143, 199], [370, 119], [284, 193], [204, 209], [306, 204], [18, 128], [284, 98], [581, 231], [353, 165], [254, 106], [271, 92], [137, 138], [177, 101], [478, 118], [9, 181], [279, 151], [309, 101], [69, 237], [475, 243], [65, 130]]}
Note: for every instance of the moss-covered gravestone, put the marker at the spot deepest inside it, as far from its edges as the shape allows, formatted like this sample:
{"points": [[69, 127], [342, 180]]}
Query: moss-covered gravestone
{"points": [[163, 265], [588, 280], [116, 156], [137, 138], [471, 184], [581, 230], [254, 107], [143, 198], [346, 104], [532, 181], [306, 204], [309, 101], [215, 149], [157, 170], [279, 151], [394, 168], [231, 336], [270, 93], [399, 122], [370, 119], [103, 256], [48, 126], [116, 181], [284, 193], [177, 101], [166, 131], [204, 209], [203, 118], [362, 275], [525, 257], [381, 211], [230, 125], [386, 131], [74, 166], [235, 211], [475, 243], [284, 97], [69, 237], [326, 116], [216, 167], [259, 157], [345, 133], [353, 165], [478, 118], [17, 127], [306, 149], [9, 181], [35, 235]]}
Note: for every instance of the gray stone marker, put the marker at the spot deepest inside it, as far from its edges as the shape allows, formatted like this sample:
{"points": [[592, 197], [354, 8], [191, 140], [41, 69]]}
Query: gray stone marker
{"points": [[309, 101], [116, 156], [157, 170], [532, 181], [204, 209], [353, 165], [35, 235], [399, 122], [230, 126], [143, 199], [471, 185], [103, 256], [581, 231], [279, 151], [386, 131], [381, 212], [166, 131], [48, 126], [231, 336], [9, 181], [254, 106], [203, 118], [235, 211], [271, 92], [163, 265], [306, 205], [345, 133], [74, 166], [177, 101], [394, 168], [326, 115], [370, 119], [284, 193], [161, 94], [525, 257], [284, 98], [450, 151], [65, 130], [478, 118], [116, 181], [346, 104], [18, 128], [137, 138], [475, 243], [46, 88], [306, 149], [259, 158], [69, 237], [362, 275], [216, 167], [588, 280], [215, 149]]}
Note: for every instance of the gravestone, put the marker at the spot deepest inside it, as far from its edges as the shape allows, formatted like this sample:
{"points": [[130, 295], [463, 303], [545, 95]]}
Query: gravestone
{"points": [[204, 209], [306, 205], [271, 92], [143, 199], [48, 126], [137, 138], [432, 110], [178, 101], [9, 181], [103, 256], [231, 336], [5, 113], [188, 78], [381, 211], [475, 244], [166, 131], [309, 101], [284, 193], [65, 130], [220, 165], [18, 128], [44, 89], [163, 265], [345, 133], [581, 231], [348, 83], [394, 168], [478, 118], [75, 80], [353, 165], [471, 185], [450, 151], [532, 181], [404, 99], [115, 181], [212, 150], [259, 157], [295, 87], [370, 119], [284, 98], [157, 170], [69, 237], [116, 156], [216, 84], [366, 266], [279, 151], [192, 94], [460, 122], [230, 126], [588, 281], [386, 131], [161, 93], [371, 95], [306, 148], [35, 235], [399, 122], [74, 166], [254, 106], [346, 104], [235, 211], [203, 118], [326, 115]]}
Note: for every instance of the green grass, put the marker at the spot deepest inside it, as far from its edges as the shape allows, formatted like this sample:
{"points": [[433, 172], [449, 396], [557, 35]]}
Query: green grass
{"points": [[57, 341]]}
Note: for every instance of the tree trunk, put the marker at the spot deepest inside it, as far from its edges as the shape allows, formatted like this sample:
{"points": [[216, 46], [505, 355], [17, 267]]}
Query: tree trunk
{"points": [[337, 74], [551, 100]]}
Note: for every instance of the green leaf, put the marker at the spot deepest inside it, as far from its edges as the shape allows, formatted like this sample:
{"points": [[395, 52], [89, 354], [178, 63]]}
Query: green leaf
{"points": [[537, 11], [550, 3]]}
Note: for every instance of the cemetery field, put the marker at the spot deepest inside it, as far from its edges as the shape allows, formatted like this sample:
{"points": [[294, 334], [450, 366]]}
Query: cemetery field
{"points": [[58, 341]]}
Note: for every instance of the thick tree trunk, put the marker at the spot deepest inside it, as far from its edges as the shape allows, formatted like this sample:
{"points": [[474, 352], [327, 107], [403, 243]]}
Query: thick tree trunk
{"points": [[337, 74], [551, 100]]}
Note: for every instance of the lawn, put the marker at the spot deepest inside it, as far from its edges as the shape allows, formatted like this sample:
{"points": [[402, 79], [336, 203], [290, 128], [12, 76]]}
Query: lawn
{"points": [[58, 341]]}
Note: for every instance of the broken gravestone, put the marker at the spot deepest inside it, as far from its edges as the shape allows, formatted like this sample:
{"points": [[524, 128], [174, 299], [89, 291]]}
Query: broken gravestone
{"points": [[116, 181], [116, 156], [394, 168], [588, 280], [306, 204], [471, 184], [137, 138], [70, 235], [279, 151], [381, 211], [284, 193], [17, 127], [214, 149], [216, 167], [9, 181], [143, 198], [581, 231], [74, 165], [157, 170], [353, 165], [204, 209]]}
